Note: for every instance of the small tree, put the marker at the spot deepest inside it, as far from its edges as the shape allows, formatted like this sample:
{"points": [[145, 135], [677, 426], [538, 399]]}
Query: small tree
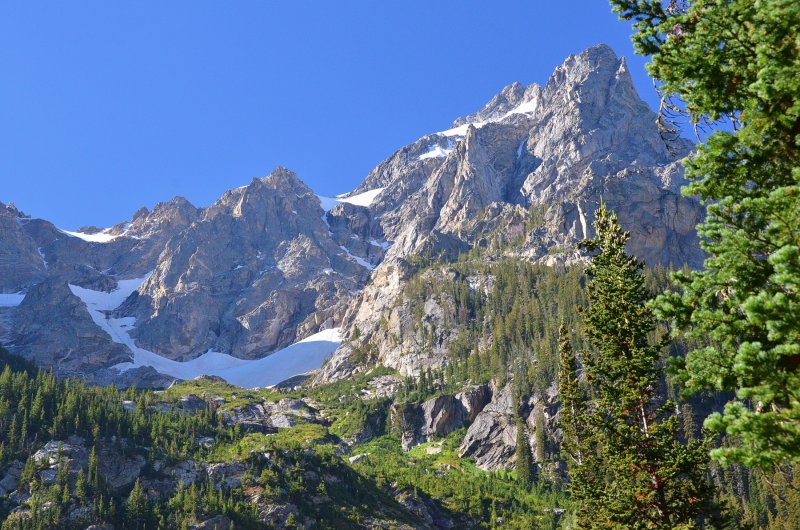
{"points": [[80, 488], [524, 457], [137, 510]]}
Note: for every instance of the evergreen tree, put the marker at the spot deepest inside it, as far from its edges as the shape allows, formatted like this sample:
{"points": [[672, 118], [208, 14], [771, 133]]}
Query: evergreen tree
{"points": [[524, 457], [137, 509], [738, 59], [80, 488], [635, 472], [577, 444]]}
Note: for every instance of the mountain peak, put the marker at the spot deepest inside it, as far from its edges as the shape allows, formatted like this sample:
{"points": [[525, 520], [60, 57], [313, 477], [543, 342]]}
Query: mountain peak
{"points": [[596, 65]]}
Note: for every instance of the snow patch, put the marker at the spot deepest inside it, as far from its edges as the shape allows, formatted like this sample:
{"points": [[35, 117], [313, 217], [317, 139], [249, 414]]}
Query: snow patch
{"points": [[100, 237], [583, 221], [361, 261], [362, 199], [526, 107], [327, 203], [12, 299], [437, 151], [382, 244], [461, 130], [301, 357]]}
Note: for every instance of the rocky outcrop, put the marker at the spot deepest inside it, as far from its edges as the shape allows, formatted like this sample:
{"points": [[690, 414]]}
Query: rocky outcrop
{"points": [[438, 416], [491, 439], [228, 474], [10, 480], [269, 417], [384, 386], [473, 400], [119, 467], [218, 522]]}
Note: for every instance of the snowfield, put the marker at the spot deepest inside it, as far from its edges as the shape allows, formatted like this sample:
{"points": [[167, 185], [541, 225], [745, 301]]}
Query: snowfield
{"points": [[99, 237], [361, 261], [526, 107], [11, 300], [437, 151], [362, 199], [299, 358]]}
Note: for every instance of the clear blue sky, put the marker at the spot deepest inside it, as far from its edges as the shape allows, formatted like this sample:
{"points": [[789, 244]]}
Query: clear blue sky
{"points": [[107, 106]]}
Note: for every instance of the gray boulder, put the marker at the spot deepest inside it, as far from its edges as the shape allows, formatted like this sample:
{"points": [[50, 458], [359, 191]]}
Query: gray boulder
{"points": [[491, 439], [118, 467], [438, 416], [218, 522], [10, 479]]}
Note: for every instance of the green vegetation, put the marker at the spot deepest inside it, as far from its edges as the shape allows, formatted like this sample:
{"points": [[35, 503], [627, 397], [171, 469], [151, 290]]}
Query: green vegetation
{"points": [[737, 60], [300, 466], [435, 471], [520, 312], [629, 467], [211, 388]]}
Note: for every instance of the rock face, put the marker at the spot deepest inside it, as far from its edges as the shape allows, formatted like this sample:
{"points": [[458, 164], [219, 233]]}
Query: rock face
{"points": [[119, 470], [252, 273], [438, 416], [492, 437], [271, 262], [257, 265], [10, 479]]}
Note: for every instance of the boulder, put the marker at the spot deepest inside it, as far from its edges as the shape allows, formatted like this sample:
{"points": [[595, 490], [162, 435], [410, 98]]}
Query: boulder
{"points": [[491, 439], [117, 466], [218, 522], [10, 480], [358, 458], [227, 473]]}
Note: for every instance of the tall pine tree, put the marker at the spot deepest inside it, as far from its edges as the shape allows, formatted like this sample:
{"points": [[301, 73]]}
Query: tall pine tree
{"points": [[632, 469]]}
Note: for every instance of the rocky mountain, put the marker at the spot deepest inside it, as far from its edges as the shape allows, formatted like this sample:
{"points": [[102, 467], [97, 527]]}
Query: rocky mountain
{"points": [[522, 177], [272, 263]]}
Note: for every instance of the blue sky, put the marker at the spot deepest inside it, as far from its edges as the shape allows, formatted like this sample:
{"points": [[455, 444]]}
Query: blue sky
{"points": [[109, 106]]}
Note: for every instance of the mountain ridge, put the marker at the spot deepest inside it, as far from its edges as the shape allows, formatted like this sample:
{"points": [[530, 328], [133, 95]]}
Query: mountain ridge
{"points": [[271, 262]]}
